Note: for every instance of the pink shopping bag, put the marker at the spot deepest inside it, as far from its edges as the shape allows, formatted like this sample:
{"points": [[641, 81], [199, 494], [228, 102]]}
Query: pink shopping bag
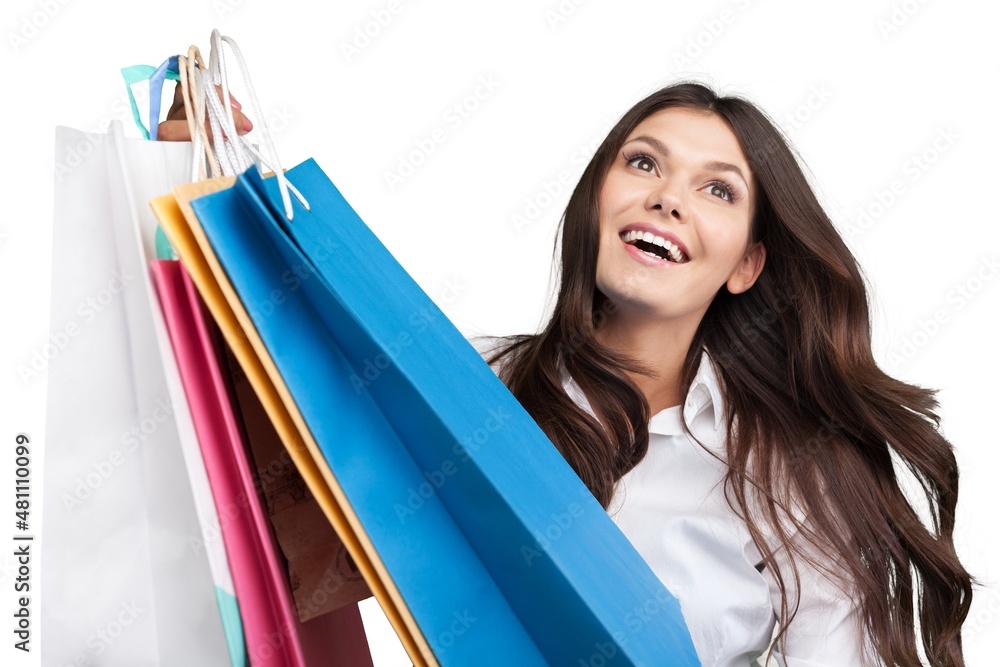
{"points": [[275, 634]]}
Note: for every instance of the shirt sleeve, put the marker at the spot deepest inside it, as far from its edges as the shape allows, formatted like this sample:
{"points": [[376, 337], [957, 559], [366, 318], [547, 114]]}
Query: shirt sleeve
{"points": [[827, 630]]}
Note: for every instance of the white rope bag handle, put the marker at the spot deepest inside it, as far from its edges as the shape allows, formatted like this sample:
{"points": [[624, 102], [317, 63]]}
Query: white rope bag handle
{"points": [[235, 152], [204, 164]]}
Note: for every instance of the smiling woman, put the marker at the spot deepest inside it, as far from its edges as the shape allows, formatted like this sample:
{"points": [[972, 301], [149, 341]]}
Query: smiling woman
{"points": [[642, 198], [708, 373]]}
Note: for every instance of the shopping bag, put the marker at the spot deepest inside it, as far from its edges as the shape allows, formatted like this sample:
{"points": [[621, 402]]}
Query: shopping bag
{"points": [[260, 580], [122, 584], [186, 235], [319, 569], [178, 220], [495, 545]]}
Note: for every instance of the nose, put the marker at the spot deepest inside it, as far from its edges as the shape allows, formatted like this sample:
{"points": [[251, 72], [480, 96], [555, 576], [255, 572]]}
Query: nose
{"points": [[666, 200]]}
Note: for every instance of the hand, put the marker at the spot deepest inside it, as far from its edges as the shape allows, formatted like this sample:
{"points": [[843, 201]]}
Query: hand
{"points": [[175, 127]]}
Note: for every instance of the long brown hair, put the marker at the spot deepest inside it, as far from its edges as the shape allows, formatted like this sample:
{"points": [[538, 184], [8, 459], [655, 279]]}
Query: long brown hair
{"points": [[820, 425]]}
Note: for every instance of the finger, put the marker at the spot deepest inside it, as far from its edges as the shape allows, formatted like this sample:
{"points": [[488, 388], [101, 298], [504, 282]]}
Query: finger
{"points": [[176, 111], [178, 130], [173, 130], [243, 124], [233, 102]]}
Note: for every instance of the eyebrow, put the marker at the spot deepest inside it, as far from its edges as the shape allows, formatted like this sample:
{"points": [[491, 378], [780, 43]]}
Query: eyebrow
{"points": [[711, 165]]}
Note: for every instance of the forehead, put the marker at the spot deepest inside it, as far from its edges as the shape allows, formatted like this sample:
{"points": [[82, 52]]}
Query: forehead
{"points": [[693, 134]]}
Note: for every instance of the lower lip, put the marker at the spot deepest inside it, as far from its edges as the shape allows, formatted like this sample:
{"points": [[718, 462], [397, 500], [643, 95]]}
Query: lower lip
{"points": [[646, 258]]}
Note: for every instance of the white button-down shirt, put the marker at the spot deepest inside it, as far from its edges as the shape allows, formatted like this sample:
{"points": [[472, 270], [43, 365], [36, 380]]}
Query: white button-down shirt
{"points": [[672, 508]]}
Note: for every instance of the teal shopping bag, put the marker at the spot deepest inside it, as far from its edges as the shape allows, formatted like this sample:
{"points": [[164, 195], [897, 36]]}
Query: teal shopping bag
{"points": [[500, 552]]}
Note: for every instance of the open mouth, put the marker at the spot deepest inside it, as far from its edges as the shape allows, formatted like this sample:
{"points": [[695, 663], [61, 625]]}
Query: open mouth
{"points": [[654, 246]]}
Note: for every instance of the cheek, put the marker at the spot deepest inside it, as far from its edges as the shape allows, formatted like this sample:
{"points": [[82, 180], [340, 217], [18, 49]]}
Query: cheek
{"points": [[615, 195], [725, 239]]}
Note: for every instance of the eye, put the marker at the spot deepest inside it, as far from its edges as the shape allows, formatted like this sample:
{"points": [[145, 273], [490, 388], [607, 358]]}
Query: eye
{"points": [[641, 161], [721, 190]]}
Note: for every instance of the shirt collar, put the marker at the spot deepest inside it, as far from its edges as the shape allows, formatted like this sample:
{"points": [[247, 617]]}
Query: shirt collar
{"points": [[704, 392]]}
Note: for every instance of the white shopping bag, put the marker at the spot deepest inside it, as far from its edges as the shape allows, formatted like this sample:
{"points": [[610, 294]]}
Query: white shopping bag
{"points": [[134, 570]]}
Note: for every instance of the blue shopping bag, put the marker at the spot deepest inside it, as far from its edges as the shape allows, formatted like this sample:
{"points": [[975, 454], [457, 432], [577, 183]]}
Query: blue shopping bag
{"points": [[500, 552]]}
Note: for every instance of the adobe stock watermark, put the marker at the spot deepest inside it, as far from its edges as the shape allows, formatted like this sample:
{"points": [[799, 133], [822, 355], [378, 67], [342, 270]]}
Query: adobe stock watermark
{"points": [[984, 616], [87, 484], [459, 626], [635, 620], [760, 322], [551, 189], [561, 181], [700, 42], [267, 646], [603, 652], [561, 12], [279, 119], [330, 586], [87, 311], [7, 569], [227, 513], [224, 7], [463, 449], [456, 115], [899, 15], [365, 34], [559, 524], [796, 119], [291, 279], [956, 299], [33, 23], [416, 324], [275, 469], [912, 170], [577, 338], [102, 638], [75, 155], [816, 444]]}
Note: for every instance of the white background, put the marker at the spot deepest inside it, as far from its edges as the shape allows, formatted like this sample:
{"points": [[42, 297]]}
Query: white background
{"points": [[861, 87]]}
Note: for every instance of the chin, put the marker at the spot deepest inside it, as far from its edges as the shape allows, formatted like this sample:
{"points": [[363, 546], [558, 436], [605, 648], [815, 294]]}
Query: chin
{"points": [[635, 306]]}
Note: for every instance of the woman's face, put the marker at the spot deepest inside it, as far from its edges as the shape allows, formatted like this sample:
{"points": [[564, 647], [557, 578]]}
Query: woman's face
{"points": [[675, 213]]}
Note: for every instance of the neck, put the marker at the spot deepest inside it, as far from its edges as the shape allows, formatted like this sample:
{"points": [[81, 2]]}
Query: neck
{"points": [[660, 345]]}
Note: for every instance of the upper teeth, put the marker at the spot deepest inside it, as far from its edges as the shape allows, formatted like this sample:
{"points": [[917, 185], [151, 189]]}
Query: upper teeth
{"points": [[674, 252]]}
